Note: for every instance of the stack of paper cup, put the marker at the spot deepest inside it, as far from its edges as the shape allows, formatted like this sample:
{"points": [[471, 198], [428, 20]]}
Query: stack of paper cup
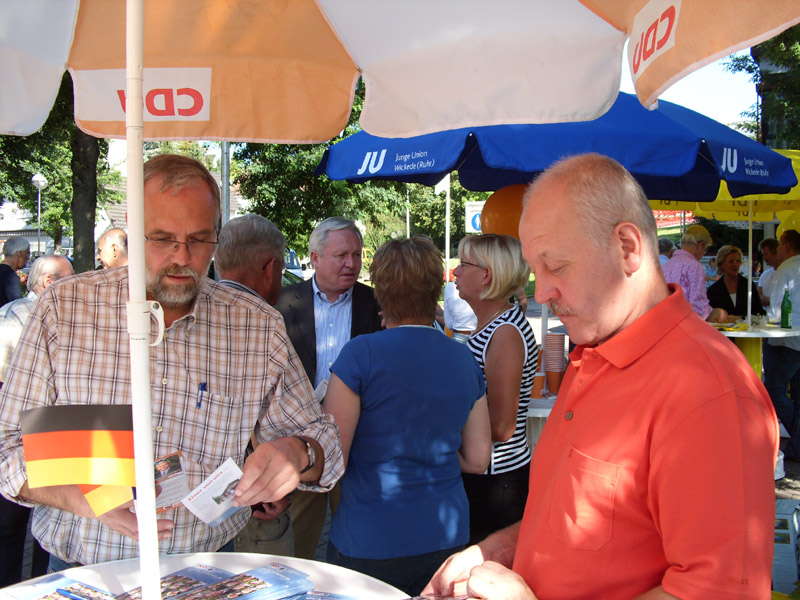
{"points": [[555, 361]]}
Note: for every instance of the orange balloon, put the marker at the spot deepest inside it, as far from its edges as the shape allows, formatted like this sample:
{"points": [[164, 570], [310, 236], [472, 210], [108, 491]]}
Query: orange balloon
{"points": [[502, 211]]}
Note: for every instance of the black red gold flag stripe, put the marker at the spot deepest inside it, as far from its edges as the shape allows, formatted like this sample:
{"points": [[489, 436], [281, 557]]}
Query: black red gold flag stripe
{"points": [[102, 498], [79, 444]]}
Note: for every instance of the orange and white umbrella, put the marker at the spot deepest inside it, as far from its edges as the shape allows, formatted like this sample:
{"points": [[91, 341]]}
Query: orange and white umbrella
{"points": [[285, 70]]}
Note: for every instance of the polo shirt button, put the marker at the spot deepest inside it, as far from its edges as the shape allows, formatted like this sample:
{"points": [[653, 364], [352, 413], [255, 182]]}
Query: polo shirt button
{"points": [[568, 415]]}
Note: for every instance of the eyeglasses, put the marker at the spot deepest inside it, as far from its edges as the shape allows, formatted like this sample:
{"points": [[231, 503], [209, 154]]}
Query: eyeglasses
{"points": [[171, 245], [464, 263], [283, 265]]}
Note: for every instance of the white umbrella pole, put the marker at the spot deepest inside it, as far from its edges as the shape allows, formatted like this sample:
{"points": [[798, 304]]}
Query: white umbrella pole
{"points": [[226, 181], [447, 230], [408, 215], [139, 310], [750, 267]]}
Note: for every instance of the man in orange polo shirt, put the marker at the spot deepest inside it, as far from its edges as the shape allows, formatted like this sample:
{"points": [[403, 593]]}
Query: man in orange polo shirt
{"points": [[653, 476]]}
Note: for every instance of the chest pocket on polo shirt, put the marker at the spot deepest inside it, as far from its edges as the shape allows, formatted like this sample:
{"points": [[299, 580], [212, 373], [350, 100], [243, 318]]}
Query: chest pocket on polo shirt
{"points": [[582, 511]]}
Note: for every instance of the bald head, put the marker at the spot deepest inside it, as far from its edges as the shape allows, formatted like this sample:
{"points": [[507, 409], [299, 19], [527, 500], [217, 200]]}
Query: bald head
{"points": [[589, 236], [112, 249], [603, 194]]}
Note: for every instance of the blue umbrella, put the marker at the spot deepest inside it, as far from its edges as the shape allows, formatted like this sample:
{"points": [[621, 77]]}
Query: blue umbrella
{"points": [[674, 153]]}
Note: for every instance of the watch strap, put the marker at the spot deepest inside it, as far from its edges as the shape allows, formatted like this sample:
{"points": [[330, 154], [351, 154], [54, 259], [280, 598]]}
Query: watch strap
{"points": [[309, 452]]}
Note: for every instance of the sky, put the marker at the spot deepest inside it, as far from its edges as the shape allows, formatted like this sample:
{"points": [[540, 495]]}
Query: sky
{"points": [[712, 91]]}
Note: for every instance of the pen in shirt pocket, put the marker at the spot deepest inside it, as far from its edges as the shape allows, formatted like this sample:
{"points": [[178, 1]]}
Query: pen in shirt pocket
{"points": [[200, 389]]}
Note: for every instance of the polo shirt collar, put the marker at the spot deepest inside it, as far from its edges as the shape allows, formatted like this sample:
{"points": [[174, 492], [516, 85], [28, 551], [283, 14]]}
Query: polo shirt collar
{"points": [[639, 337]]}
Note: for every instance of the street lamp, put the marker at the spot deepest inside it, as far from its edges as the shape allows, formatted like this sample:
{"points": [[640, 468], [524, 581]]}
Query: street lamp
{"points": [[39, 182]]}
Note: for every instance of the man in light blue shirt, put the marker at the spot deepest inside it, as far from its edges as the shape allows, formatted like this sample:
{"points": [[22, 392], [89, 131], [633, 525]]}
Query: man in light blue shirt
{"points": [[321, 316], [332, 324]]}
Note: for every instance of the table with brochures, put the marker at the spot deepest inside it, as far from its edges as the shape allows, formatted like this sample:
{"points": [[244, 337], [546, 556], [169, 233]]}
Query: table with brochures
{"points": [[118, 577]]}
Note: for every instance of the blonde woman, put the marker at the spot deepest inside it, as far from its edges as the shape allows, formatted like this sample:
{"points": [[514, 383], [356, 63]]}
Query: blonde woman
{"points": [[729, 292], [492, 268]]}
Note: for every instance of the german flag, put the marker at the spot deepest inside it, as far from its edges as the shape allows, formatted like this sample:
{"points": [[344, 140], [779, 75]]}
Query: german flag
{"points": [[102, 498], [86, 444]]}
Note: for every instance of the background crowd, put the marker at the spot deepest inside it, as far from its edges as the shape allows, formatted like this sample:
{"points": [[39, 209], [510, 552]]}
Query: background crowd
{"points": [[333, 396]]}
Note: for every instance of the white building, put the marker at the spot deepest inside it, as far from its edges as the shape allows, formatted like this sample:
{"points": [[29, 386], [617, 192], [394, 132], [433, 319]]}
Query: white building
{"points": [[16, 222]]}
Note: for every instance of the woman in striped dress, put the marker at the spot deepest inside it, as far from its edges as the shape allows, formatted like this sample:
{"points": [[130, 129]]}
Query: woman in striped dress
{"points": [[492, 268]]}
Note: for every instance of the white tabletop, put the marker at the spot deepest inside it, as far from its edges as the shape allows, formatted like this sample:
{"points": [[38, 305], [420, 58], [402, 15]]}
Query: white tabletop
{"points": [[557, 329], [123, 575], [759, 331], [541, 407]]}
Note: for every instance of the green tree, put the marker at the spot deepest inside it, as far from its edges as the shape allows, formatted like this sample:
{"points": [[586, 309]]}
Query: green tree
{"points": [[279, 179], [723, 235], [774, 66], [428, 211], [76, 168]]}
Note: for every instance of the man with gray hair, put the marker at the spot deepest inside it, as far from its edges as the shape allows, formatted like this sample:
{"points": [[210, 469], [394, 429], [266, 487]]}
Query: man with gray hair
{"points": [[250, 256], [666, 248], [322, 315], [14, 517], [45, 271], [16, 251], [112, 249], [684, 269]]}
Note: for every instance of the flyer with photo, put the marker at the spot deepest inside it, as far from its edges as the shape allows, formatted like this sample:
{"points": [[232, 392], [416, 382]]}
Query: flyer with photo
{"points": [[56, 587], [272, 582], [212, 500], [182, 582], [171, 482]]}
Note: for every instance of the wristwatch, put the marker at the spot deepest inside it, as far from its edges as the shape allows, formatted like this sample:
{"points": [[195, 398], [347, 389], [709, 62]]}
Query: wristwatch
{"points": [[312, 455]]}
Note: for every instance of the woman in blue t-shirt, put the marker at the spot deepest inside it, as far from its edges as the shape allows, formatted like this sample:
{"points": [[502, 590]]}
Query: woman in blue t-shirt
{"points": [[412, 415]]}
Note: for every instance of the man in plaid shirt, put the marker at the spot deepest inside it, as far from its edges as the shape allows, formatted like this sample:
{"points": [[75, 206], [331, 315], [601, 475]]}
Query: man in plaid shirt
{"points": [[224, 372]]}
